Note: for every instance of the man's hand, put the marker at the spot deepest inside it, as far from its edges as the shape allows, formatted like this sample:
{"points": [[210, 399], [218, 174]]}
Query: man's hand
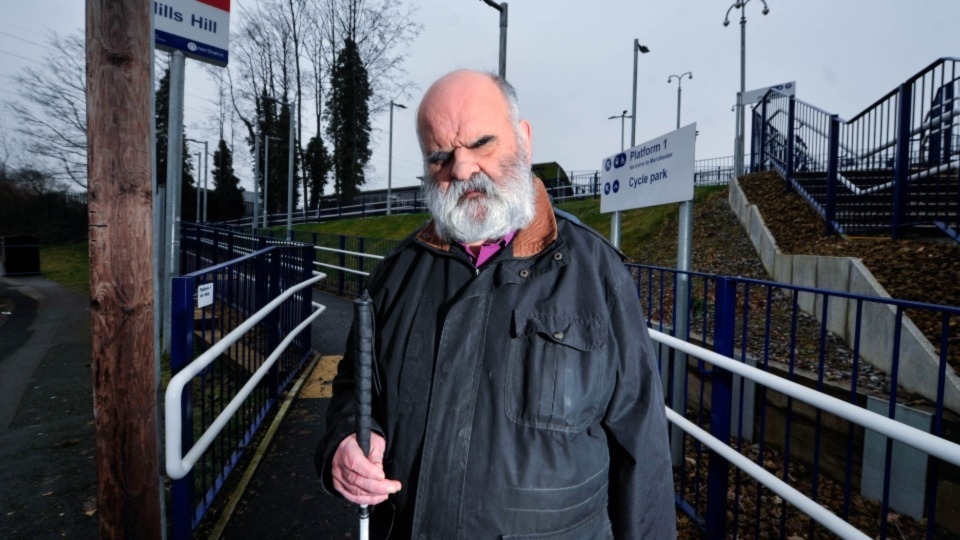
{"points": [[360, 478]]}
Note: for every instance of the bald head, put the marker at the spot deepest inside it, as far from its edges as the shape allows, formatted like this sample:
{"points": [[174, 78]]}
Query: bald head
{"points": [[468, 86]]}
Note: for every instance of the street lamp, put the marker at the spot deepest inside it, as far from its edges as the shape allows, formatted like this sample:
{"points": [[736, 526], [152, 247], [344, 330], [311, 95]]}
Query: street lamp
{"points": [[502, 8], [205, 164], [266, 176], [291, 143], [390, 156], [741, 121], [637, 49], [679, 79], [622, 116]]}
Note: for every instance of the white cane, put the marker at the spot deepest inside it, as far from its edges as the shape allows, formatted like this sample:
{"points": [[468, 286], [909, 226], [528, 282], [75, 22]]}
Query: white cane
{"points": [[363, 322]]}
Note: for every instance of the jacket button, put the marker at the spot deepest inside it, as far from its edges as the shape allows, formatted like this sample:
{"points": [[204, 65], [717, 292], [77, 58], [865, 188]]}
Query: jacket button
{"points": [[558, 335], [557, 256], [524, 273]]}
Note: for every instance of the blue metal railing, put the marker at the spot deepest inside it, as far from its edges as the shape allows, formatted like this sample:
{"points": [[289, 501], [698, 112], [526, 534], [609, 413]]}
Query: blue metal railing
{"points": [[207, 304], [786, 330], [894, 166]]}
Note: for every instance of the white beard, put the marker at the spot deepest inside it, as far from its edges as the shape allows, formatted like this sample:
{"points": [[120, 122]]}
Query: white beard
{"points": [[490, 216]]}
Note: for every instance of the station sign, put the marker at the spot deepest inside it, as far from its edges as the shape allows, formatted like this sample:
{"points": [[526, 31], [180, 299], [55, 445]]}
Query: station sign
{"points": [[198, 28], [752, 97], [659, 171]]}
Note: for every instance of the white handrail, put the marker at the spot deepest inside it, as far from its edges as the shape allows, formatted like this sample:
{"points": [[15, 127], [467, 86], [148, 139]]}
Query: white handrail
{"points": [[178, 464], [803, 503], [921, 440], [345, 252]]}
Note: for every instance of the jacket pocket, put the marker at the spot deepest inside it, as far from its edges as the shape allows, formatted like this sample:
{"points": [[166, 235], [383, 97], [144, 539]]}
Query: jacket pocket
{"points": [[555, 373]]}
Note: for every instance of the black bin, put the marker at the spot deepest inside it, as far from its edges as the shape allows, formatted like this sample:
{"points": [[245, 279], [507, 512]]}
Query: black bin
{"points": [[19, 255]]}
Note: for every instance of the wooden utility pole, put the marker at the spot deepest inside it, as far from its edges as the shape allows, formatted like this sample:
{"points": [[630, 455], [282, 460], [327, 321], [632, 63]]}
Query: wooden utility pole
{"points": [[119, 156]]}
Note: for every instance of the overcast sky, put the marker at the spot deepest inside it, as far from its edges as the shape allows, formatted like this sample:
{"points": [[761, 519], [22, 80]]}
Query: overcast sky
{"points": [[572, 64]]}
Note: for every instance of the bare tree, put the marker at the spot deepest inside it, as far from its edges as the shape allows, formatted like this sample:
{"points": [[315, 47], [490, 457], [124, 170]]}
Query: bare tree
{"points": [[50, 109]]}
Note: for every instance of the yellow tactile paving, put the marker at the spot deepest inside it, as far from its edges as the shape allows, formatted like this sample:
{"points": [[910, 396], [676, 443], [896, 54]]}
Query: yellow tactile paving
{"points": [[319, 384]]}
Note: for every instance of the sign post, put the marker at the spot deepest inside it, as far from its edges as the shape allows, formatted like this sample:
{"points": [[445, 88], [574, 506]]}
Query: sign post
{"points": [[660, 171], [197, 29]]}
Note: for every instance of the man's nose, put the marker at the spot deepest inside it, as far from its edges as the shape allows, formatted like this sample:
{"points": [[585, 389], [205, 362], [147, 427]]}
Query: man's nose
{"points": [[464, 165]]}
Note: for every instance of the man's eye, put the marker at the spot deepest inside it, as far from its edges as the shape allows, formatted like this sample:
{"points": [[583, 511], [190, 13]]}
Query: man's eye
{"points": [[438, 158], [482, 142]]}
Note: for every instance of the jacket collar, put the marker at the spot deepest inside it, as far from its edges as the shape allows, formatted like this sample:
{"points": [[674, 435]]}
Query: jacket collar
{"points": [[528, 242]]}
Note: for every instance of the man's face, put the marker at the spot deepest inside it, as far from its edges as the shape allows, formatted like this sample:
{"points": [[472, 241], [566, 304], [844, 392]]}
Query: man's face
{"points": [[476, 158]]}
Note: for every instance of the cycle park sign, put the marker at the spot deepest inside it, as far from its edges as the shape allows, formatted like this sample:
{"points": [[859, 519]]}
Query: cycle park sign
{"points": [[659, 171]]}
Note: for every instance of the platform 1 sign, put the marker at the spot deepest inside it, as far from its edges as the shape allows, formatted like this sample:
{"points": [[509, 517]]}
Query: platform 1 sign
{"points": [[199, 28], [659, 171]]}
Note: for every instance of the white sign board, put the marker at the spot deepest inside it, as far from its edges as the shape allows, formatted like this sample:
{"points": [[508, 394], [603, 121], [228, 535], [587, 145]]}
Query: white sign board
{"points": [[199, 28], [205, 295], [752, 97], [659, 171]]}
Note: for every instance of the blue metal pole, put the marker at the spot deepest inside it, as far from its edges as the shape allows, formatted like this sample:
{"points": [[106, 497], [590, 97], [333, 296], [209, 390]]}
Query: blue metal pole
{"points": [[833, 165], [791, 130], [763, 133], [181, 353], [902, 163], [720, 405]]}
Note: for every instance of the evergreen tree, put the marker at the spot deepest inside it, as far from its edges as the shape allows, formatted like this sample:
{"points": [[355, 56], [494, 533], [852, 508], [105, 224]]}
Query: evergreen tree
{"points": [[227, 194], [349, 120], [316, 166], [188, 194]]}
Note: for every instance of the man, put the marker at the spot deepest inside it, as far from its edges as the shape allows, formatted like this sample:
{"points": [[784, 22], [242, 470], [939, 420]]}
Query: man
{"points": [[516, 391]]}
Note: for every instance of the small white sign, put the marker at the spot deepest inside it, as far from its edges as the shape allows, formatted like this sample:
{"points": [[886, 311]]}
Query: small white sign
{"points": [[198, 28], [752, 97], [205, 295], [659, 171]]}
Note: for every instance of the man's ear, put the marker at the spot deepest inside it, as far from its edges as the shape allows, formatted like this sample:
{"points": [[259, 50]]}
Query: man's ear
{"points": [[526, 133]]}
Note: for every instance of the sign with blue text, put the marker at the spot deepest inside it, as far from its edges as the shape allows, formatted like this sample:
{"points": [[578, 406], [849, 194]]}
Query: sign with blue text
{"points": [[751, 97], [198, 28], [659, 171]]}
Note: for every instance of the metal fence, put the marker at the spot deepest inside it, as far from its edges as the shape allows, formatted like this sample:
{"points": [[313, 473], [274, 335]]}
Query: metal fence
{"points": [[820, 339], [893, 167], [231, 385]]}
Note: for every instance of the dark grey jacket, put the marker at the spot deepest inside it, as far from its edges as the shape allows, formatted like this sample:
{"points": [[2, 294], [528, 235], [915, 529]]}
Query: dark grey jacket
{"points": [[520, 400]]}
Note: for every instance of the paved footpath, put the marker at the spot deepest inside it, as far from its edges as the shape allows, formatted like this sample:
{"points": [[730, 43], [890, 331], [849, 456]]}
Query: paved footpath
{"points": [[284, 498], [47, 468]]}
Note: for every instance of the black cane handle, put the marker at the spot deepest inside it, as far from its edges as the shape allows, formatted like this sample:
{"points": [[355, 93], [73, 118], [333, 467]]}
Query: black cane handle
{"points": [[363, 322]]}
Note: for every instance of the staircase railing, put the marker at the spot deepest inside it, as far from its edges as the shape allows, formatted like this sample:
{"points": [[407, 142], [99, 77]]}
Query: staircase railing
{"points": [[894, 166]]}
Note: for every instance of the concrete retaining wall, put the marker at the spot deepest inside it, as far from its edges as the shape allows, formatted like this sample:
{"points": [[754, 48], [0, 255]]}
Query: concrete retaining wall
{"points": [[919, 362]]}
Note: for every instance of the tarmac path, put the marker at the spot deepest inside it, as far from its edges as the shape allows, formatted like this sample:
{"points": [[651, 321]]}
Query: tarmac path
{"points": [[47, 467]]}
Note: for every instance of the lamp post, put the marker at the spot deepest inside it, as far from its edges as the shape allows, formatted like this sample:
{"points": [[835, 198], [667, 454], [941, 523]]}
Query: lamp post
{"points": [[622, 116], [266, 176], [637, 49], [390, 156], [502, 8], [741, 121], [205, 164], [682, 302], [199, 164], [292, 142], [679, 79]]}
